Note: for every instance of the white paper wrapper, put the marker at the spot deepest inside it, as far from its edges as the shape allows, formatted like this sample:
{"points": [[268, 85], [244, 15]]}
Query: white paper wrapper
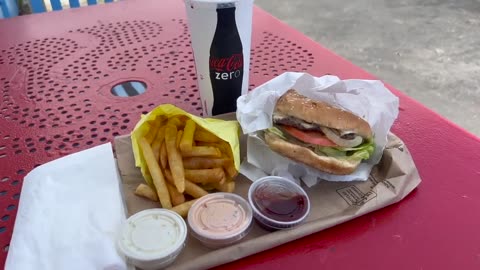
{"points": [[70, 212], [366, 98]]}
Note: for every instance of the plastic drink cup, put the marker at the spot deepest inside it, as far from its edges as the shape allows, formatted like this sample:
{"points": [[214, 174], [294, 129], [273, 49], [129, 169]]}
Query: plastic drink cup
{"points": [[221, 38]]}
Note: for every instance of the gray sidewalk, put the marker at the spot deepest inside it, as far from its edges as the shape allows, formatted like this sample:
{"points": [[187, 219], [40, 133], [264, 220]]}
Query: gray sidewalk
{"points": [[429, 49]]}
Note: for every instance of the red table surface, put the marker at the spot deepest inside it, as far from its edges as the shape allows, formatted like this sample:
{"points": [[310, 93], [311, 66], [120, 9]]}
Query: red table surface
{"points": [[56, 72]]}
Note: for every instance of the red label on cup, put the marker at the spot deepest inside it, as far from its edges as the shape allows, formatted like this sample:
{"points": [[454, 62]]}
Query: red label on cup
{"points": [[232, 63]]}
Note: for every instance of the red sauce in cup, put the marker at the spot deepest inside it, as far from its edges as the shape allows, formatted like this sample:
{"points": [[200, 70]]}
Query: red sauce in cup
{"points": [[280, 205]]}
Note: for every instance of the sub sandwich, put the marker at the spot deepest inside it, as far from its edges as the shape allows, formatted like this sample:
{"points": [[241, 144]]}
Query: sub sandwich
{"points": [[318, 134]]}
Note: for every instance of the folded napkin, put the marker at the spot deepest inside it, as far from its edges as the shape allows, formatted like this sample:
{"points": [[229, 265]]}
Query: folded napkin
{"points": [[69, 214]]}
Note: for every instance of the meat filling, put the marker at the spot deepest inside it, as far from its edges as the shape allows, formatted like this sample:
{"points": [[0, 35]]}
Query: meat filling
{"points": [[302, 125]]}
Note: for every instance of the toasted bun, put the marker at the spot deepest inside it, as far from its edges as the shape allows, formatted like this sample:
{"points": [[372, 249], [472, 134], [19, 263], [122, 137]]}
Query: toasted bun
{"points": [[307, 156], [313, 111]]}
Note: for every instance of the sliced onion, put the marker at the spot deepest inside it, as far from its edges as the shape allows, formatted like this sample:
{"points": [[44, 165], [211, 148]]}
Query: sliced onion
{"points": [[334, 137], [344, 132]]}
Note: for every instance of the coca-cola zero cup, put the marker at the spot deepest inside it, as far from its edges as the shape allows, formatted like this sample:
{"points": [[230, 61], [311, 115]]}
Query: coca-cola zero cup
{"points": [[221, 36]]}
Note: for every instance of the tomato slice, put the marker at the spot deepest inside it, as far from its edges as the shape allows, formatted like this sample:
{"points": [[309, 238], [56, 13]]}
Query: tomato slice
{"points": [[313, 137]]}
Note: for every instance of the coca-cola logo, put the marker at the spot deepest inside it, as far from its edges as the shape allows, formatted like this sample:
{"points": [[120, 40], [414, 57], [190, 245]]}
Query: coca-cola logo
{"points": [[227, 64]]}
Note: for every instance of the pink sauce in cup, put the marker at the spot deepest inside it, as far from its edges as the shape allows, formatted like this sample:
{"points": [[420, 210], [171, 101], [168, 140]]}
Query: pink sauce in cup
{"points": [[220, 219]]}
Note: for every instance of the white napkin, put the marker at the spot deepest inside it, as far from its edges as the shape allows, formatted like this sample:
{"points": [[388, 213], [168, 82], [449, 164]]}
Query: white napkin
{"points": [[69, 214], [369, 99]]}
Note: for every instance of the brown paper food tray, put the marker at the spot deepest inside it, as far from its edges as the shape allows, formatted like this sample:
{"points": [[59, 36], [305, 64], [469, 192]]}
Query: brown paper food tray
{"points": [[332, 203]]}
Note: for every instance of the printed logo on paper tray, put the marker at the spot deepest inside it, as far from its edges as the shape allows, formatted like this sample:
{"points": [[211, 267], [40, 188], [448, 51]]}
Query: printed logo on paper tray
{"points": [[354, 196]]}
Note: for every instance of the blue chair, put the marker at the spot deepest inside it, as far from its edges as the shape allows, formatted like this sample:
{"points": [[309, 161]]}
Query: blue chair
{"points": [[38, 6], [8, 8]]}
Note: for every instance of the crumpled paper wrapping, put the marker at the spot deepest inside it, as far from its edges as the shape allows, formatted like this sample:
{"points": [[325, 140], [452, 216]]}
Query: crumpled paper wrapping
{"points": [[225, 130], [366, 98]]}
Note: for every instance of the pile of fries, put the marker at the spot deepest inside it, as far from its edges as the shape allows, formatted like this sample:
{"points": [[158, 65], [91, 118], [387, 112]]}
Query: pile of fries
{"points": [[184, 163]]}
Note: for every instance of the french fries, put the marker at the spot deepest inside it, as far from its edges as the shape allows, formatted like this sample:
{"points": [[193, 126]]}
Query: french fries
{"points": [[145, 191], [203, 163], [182, 209], [208, 187], [204, 176], [153, 131], [157, 143], [223, 147], [174, 121], [163, 156], [230, 169], [202, 151], [186, 143], [179, 138], [174, 159], [191, 188], [156, 172], [205, 136], [194, 190], [184, 162], [228, 186], [176, 197]]}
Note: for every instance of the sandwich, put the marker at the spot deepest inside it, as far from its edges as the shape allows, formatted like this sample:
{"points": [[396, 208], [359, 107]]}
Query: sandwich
{"points": [[322, 136]]}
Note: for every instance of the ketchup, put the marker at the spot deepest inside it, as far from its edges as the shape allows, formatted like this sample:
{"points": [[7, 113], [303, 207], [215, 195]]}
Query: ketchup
{"points": [[280, 204]]}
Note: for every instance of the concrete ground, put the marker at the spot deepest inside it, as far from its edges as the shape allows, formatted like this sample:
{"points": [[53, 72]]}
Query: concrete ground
{"points": [[429, 49]]}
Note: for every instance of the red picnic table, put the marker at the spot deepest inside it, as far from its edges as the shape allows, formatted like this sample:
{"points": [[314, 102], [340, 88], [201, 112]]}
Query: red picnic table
{"points": [[56, 74]]}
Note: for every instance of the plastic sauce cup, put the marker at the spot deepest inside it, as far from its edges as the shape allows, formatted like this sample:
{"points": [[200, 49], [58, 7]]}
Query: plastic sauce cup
{"points": [[152, 239], [220, 219], [278, 203]]}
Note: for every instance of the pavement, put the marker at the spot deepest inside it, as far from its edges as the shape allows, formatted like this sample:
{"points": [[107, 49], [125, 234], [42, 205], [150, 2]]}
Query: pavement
{"points": [[428, 49]]}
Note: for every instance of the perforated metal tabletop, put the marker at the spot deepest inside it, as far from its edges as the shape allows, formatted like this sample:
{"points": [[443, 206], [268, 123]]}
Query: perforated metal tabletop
{"points": [[56, 74]]}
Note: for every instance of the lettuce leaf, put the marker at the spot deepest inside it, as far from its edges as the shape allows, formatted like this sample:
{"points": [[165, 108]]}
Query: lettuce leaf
{"points": [[361, 152], [277, 132]]}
